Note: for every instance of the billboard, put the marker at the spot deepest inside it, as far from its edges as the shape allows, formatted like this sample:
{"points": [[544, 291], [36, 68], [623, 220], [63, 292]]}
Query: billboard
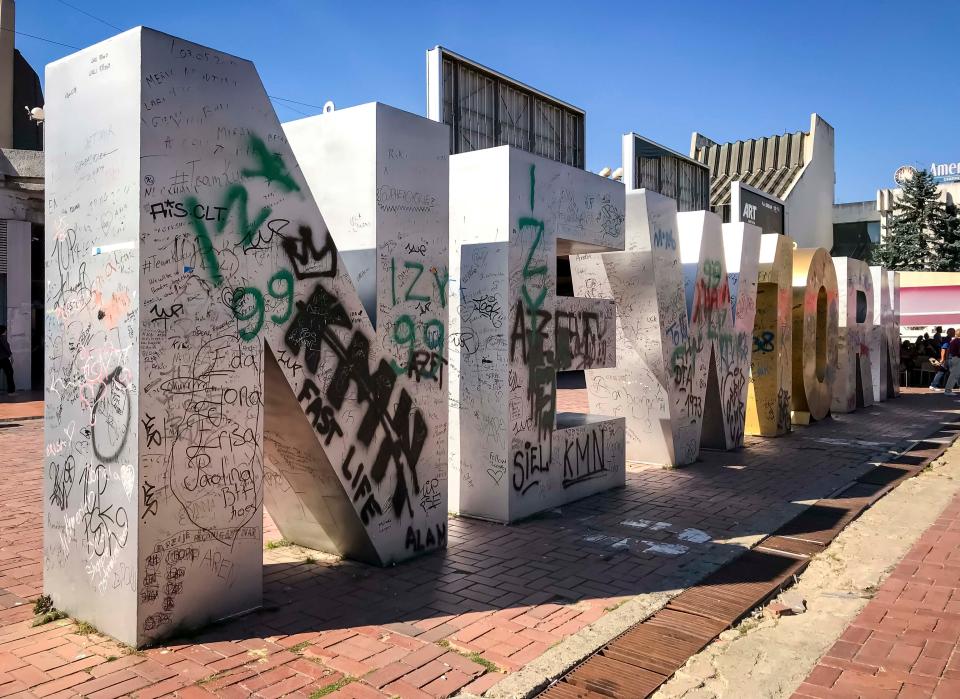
{"points": [[945, 172], [485, 108], [942, 173], [749, 205], [648, 165]]}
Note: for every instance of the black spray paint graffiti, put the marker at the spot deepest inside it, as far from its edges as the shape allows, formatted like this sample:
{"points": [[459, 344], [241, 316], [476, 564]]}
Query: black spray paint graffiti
{"points": [[154, 437], [430, 496], [303, 253], [404, 432], [163, 315], [323, 417], [530, 333], [488, 306], [735, 413], [528, 464], [584, 459], [62, 482], [579, 340], [104, 527], [783, 410], [435, 537], [110, 417], [149, 500]]}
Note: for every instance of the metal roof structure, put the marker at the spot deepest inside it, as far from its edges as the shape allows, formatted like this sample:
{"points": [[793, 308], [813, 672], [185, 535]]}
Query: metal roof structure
{"points": [[769, 163], [485, 108]]}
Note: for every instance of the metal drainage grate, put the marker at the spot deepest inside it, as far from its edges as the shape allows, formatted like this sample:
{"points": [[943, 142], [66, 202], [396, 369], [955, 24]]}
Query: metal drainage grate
{"points": [[818, 524], [868, 491], [886, 474], [562, 690], [614, 678], [790, 547]]}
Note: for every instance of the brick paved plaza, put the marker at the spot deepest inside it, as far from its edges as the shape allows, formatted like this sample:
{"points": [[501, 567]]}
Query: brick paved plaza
{"points": [[904, 642], [498, 599]]}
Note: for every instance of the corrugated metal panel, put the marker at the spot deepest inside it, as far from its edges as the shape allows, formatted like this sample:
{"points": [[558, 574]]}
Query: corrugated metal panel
{"points": [[783, 150], [648, 173], [573, 138], [546, 130], [448, 106], [769, 153], [756, 164], [714, 160], [668, 177], [485, 109], [796, 151], [514, 118], [723, 164], [746, 156], [476, 109]]}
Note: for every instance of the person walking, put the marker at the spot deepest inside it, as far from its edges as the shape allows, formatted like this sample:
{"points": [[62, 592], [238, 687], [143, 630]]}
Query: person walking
{"points": [[953, 363], [6, 360], [943, 368]]}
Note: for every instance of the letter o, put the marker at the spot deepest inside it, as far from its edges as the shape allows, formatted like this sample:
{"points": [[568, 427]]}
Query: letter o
{"points": [[815, 327]]}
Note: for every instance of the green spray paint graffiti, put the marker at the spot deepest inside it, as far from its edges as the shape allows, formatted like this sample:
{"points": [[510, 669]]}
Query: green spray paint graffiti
{"points": [[248, 304], [530, 339], [271, 167], [421, 363], [413, 292]]}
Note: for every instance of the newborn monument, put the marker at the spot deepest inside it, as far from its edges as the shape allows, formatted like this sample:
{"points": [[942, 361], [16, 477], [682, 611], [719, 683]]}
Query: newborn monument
{"points": [[320, 317]]}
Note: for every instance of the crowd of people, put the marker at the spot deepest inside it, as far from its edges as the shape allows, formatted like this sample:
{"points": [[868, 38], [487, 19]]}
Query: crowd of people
{"points": [[939, 354]]}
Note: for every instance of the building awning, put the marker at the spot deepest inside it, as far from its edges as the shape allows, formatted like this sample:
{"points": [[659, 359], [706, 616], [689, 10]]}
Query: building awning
{"points": [[930, 305]]}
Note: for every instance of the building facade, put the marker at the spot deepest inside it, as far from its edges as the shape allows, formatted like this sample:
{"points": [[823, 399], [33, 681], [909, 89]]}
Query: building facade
{"points": [[21, 208], [797, 168], [856, 229], [648, 165]]}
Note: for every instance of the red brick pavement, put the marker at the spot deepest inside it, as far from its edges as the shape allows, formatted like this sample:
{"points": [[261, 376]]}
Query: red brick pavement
{"points": [[905, 641], [498, 598], [26, 405]]}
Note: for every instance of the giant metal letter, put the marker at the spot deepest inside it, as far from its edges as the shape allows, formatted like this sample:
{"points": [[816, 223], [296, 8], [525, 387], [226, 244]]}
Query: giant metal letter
{"points": [[741, 251], [815, 318], [853, 384], [893, 328], [194, 294], [715, 388], [884, 337], [768, 403], [511, 214], [679, 344], [380, 176], [646, 283]]}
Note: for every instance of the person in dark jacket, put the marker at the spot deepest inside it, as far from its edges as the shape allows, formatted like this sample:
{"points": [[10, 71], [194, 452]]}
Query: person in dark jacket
{"points": [[943, 361], [6, 360]]}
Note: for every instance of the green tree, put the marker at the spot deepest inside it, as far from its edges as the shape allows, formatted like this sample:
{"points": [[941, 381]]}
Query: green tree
{"points": [[915, 228], [947, 254]]}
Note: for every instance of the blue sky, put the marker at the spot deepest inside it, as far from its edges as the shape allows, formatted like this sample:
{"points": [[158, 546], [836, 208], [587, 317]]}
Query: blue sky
{"points": [[882, 73]]}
